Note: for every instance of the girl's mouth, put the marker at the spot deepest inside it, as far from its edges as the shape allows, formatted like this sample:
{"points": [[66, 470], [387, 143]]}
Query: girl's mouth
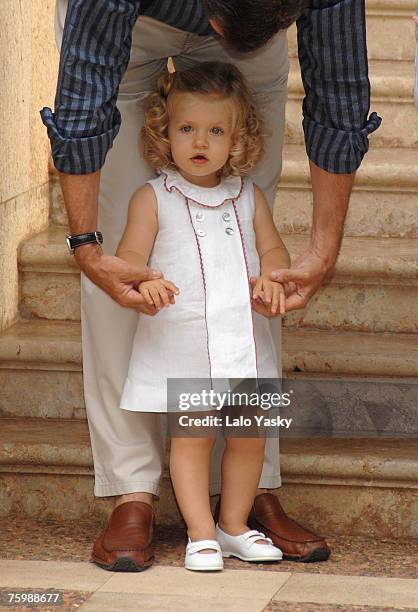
{"points": [[199, 159]]}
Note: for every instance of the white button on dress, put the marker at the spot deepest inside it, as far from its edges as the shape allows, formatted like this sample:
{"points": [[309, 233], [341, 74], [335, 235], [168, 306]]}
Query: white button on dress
{"points": [[206, 246]]}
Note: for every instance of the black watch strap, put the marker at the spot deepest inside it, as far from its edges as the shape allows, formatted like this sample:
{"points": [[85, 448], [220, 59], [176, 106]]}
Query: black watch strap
{"points": [[74, 241]]}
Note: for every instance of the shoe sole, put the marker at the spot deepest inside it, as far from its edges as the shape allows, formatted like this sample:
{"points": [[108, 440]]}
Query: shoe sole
{"points": [[204, 569], [124, 564], [319, 554], [257, 560]]}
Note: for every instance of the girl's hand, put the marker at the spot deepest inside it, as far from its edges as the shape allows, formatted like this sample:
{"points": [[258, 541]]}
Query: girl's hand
{"points": [[270, 295], [158, 293]]}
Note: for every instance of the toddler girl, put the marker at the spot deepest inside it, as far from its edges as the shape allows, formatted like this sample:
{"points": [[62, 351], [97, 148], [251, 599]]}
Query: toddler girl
{"points": [[208, 230]]}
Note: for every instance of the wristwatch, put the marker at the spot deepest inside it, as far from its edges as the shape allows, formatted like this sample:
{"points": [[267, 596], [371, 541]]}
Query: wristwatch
{"points": [[74, 241]]}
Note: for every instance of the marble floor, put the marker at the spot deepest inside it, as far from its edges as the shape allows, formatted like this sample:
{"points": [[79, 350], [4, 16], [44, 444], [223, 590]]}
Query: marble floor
{"points": [[361, 574]]}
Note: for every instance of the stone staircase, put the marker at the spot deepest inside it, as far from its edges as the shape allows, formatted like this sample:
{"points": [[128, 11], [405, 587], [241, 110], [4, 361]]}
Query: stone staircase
{"points": [[361, 325]]}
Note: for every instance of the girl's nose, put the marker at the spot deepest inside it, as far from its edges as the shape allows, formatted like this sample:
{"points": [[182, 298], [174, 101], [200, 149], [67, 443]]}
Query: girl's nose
{"points": [[200, 140]]}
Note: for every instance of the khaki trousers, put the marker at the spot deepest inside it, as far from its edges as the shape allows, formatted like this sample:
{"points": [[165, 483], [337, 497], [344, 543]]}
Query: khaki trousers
{"points": [[129, 447]]}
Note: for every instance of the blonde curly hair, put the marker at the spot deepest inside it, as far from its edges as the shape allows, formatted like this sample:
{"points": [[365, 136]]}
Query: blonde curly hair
{"points": [[208, 78]]}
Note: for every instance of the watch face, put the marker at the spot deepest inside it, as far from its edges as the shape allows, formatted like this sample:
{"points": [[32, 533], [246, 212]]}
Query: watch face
{"points": [[69, 244]]}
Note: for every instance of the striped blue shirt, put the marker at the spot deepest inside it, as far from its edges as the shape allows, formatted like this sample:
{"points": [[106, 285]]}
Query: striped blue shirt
{"points": [[95, 54]]}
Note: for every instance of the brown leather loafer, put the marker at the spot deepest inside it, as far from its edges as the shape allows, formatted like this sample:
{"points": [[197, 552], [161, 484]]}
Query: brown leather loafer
{"points": [[296, 542], [126, 543]]}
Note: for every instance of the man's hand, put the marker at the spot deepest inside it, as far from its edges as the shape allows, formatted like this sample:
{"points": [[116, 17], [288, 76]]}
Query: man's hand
{"points": [[114, 275], [151, 311], [331, 194], [303, 279]]}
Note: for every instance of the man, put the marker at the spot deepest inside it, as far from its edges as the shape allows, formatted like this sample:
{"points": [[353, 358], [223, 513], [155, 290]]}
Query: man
{"points": [[105, 40]]}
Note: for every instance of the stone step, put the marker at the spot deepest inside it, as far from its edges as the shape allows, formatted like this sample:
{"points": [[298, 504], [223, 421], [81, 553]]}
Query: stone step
{"points": [[351, 486], [350, 353], [384, 202], [40, 370], [392, 86], [41, 363], [390, 30], [49, 277], [374, 288]]}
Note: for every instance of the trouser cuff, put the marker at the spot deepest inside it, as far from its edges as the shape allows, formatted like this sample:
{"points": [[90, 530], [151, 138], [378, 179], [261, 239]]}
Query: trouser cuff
{"points": [[125, 487]]}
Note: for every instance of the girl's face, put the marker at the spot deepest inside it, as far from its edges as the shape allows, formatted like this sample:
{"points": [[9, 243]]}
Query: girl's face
{"points": [[200, 131]]}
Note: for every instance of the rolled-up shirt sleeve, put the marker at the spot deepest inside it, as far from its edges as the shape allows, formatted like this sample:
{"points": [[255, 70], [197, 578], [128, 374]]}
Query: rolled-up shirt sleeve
{"points": [[94, 56], [334, 67]]}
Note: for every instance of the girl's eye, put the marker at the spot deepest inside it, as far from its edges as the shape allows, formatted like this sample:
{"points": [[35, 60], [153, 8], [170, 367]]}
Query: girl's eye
{"points": [[186, 129], [217, 131]]}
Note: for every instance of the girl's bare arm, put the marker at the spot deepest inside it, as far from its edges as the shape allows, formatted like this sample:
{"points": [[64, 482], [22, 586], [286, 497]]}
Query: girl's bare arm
{"points": [[270, 247], [141, 229]]}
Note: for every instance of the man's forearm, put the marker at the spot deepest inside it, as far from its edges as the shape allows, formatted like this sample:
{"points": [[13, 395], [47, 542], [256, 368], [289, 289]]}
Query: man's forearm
{"points": [[118, 279], [81, 194], [331, 195]]}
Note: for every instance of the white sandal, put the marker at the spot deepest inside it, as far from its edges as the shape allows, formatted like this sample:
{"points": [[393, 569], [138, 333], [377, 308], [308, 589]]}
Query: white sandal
{"points": [[246, 548], [203, 562]]}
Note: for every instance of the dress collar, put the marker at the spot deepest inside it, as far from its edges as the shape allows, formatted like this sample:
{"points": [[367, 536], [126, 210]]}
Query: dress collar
{"points": [[229, 188]]}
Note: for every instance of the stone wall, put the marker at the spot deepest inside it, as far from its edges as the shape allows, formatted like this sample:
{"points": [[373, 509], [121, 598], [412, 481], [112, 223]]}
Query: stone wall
{"points": [[28, 69]]}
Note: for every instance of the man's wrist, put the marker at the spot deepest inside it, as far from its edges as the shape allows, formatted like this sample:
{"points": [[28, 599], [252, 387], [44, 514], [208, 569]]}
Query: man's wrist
{"points": [[327, 253], [86, 252], [76, 240]]}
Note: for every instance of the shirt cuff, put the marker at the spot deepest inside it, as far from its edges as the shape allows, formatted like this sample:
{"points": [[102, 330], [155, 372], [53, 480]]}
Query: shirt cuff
{"points": [[338, 151], [79, 155]]}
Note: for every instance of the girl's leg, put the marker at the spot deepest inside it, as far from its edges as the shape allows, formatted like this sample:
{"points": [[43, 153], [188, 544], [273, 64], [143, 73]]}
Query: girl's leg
{"points": [[242, 464], [189, 469]]}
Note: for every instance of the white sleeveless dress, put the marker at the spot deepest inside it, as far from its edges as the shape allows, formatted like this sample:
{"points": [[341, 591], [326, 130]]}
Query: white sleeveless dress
{"points": [[206, 246]]}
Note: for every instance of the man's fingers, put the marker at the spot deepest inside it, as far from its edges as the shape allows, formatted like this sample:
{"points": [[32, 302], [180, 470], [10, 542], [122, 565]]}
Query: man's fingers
{"points": [[148, 310], [288, 275], [131, 299], [260, 308], [290, 288], [296, 302]]}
